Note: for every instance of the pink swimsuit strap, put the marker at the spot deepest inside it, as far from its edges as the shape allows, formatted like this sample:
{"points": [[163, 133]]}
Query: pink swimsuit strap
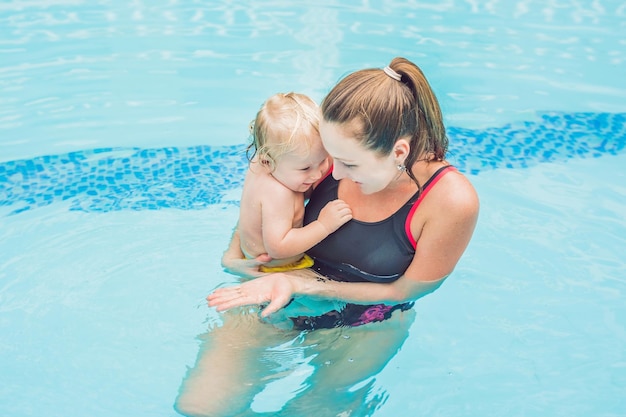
{"points": [[429, 185]]}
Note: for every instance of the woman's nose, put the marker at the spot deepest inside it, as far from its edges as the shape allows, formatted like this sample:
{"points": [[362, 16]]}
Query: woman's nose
{"points": [[338, 172]]}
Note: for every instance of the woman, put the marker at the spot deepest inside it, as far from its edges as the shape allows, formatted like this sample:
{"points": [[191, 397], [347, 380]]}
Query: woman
{"points": [[413, 217]]}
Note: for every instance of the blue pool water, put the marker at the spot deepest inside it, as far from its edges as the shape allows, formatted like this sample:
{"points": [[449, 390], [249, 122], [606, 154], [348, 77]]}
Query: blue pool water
{"points": [[121, 131]]}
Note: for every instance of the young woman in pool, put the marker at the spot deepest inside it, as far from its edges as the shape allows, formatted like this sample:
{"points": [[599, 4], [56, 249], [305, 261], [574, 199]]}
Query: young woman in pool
{"points": [[413, 217]]}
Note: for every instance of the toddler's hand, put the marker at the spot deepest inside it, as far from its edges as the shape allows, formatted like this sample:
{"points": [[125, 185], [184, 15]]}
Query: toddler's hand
{"points": [[334, 215]]}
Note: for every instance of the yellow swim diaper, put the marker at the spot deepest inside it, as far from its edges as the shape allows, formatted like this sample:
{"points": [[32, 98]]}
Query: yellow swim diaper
{"points": [[305, 262]]}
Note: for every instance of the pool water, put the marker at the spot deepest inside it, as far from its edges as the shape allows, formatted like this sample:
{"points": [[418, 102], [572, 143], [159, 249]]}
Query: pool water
{"points": [[121, 134]]}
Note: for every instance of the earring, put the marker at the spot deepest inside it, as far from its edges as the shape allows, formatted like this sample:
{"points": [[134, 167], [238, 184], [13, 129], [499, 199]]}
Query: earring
{"points": [[401, 167]]}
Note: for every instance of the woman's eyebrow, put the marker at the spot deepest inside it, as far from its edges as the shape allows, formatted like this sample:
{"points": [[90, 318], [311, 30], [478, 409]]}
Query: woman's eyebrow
{"points": [[343, 159]]}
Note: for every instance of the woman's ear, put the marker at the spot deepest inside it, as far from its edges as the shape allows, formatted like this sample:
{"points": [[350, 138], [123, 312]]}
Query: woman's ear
{"points": [[401, 150]]}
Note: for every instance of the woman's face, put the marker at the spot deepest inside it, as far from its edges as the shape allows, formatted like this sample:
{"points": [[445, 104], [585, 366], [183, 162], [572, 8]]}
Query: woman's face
{"points": [[353, 161]]}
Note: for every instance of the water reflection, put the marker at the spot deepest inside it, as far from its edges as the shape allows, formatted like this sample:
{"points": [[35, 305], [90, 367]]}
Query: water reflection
{"points": [[200, 71]]}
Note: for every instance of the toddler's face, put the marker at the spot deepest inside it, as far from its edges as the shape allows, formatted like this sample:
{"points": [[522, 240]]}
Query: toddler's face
{"points": [[299, 170]]}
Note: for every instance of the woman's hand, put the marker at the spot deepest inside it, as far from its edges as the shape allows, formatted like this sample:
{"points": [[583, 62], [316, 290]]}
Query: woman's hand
{"points": [[277, 289], [235, 262]]}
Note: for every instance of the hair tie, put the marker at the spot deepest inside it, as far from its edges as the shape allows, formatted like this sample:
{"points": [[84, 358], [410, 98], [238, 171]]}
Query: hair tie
{"points": [[392, 73]]}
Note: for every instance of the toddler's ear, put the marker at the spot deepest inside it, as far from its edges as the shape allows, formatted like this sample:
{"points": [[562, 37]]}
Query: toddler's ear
{"points": [[265, 163]]}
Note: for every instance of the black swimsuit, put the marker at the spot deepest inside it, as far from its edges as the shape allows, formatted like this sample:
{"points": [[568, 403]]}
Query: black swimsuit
{"points": [[354, 254]]}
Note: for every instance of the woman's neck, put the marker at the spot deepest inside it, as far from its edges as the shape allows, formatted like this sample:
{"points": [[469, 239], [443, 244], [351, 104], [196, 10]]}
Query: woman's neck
{"points": [[423, 170]]}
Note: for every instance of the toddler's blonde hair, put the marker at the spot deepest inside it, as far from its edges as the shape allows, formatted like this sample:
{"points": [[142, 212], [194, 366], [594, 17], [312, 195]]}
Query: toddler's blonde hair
{"points": [[286, 122]]}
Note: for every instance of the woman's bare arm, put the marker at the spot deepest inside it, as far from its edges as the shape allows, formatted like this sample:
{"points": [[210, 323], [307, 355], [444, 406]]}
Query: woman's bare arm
{"points": [[279, 288]]}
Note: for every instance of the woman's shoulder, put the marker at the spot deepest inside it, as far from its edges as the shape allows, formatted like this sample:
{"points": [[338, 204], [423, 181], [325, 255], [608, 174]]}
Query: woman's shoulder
{"points": [[448, 212], [456, 194]]}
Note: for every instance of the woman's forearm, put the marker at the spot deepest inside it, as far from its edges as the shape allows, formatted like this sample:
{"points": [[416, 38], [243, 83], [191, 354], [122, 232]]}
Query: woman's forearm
{"points": [[402, 290], [277, 289]]}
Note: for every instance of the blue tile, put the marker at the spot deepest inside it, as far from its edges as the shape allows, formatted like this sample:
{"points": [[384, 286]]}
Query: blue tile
{"points": [[198, 176]]}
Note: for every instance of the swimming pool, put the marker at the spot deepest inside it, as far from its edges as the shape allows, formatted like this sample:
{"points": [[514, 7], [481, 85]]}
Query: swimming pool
{"points": [[121, 126]]}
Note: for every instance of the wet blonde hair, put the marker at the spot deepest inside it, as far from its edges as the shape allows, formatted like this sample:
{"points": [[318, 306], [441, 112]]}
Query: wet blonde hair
{"points": [[388, 109], [285, 122]]}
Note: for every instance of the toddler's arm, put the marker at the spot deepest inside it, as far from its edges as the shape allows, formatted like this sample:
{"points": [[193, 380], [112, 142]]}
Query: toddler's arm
{"points": [[300, 239]]}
